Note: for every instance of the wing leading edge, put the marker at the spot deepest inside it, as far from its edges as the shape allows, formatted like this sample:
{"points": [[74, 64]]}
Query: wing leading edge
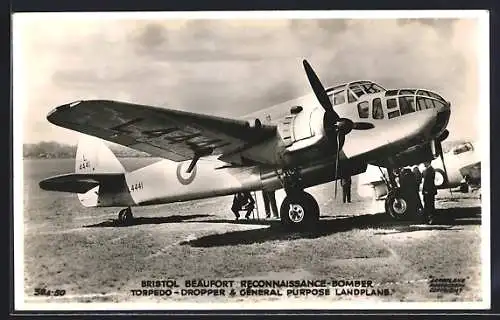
{"points": [[170, 134]]}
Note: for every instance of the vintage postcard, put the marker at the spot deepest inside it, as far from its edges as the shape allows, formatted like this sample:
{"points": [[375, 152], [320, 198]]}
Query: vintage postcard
{"points": [[251, 160]]}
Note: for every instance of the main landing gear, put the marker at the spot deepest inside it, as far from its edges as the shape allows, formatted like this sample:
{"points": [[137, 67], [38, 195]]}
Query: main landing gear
{"points": [[125, 216], [398, 205], [299, 209]]}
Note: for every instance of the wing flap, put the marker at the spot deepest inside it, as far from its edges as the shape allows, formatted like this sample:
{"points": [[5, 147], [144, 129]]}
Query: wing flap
{"points": [[171, 134], [79, 182]]}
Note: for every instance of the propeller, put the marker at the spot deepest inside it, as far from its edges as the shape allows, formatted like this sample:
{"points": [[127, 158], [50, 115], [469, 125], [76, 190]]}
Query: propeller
{"points": [[331, 117], [440, 150], [442, 137], [335, 126]]}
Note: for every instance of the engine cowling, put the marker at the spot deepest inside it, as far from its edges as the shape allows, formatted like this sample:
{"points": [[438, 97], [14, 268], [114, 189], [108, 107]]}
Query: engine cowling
{"points": [[301, 129]]}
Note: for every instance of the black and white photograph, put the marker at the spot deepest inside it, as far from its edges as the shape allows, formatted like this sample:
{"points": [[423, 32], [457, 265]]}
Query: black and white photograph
{"points": [[249, 160]]}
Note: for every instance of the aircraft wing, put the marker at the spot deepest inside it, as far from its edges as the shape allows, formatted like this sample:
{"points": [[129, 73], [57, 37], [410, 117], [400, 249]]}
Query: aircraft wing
{"points": [[170, 134], [371, 182], [473, 171]]}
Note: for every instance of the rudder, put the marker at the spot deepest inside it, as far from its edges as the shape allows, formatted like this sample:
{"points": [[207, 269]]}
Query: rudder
{"points": [[93, 157]]}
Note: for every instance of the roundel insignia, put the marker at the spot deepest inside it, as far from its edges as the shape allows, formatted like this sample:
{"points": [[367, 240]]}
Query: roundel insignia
{"points": [[184, 177]]}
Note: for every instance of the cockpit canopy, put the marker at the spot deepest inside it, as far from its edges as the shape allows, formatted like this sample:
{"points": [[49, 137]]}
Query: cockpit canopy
{"points": [[352, 91], [372, 100], [411, 100]]}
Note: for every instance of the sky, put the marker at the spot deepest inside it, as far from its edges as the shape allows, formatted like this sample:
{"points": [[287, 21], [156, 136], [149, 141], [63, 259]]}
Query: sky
{"points": [[234, 67]]}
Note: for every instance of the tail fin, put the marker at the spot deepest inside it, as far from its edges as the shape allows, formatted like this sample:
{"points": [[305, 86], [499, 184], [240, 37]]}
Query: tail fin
{"points": [[94, 157]]}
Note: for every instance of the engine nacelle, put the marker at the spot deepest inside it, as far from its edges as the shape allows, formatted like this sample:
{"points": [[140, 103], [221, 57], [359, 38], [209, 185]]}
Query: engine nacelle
{"points": [[297, 133], [302, 128]]}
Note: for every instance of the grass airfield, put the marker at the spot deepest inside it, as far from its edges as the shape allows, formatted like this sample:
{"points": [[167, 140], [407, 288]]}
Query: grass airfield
{"points": [[88, 254]]}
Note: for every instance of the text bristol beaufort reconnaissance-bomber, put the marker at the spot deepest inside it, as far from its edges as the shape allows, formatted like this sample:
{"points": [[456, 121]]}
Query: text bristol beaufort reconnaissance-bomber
{"points": [[259, 287]]}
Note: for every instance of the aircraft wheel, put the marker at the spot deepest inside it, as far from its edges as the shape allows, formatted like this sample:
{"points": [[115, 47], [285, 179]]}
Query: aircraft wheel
{"points": [[397, 206], [125, 216], [314, 204], [299, 210], [120, 215]]}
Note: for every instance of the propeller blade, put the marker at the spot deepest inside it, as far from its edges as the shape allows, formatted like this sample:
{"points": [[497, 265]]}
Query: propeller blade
{"points": [[363, 125], [335, 189], [318, 89], [444, 164]]}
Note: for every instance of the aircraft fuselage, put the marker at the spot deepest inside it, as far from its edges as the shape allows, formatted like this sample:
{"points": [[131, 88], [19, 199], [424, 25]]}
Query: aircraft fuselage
{"points": [[402, 119], [301, 142]]}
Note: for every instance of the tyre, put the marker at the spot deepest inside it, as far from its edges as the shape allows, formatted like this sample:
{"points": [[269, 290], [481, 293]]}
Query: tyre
{"points": [[299, 210], [120, 215], [398, 207], [125, 216]]}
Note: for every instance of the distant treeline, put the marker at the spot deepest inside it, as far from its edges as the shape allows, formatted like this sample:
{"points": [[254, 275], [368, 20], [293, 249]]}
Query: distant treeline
{"points": [[48, 149], [52, 149]]}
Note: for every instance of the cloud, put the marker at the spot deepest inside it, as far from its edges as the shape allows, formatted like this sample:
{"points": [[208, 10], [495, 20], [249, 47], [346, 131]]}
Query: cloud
{"points": [[234, 67]]}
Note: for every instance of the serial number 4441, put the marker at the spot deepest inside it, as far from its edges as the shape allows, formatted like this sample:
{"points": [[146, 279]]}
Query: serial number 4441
{"points": [[45, 292]]}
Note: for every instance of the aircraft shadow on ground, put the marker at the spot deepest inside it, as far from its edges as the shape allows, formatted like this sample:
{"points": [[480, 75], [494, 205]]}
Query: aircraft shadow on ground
{"points": [[147, 220], [446, 219]]}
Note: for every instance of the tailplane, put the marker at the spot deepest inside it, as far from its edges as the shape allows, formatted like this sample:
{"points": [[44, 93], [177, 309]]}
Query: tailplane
{"points": [[93, 157], [99, 178]]}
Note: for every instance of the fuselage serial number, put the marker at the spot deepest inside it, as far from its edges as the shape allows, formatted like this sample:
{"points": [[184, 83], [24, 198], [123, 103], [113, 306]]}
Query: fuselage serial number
{"points": [[136, 186]]}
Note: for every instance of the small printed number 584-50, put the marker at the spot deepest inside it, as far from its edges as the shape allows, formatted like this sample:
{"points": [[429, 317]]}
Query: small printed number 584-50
{"points": [[45, 292]]}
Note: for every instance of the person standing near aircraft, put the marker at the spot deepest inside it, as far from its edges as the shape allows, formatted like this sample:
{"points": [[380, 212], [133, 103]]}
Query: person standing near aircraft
{"points": [[243, 201], [429, 191], [410, 188], [418, 176], [346, 189], [270, 204], [395, 174]]}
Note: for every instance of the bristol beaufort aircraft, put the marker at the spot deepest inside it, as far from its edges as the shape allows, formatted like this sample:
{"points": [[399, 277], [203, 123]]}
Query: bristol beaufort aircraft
{"points": [[315, 139]]}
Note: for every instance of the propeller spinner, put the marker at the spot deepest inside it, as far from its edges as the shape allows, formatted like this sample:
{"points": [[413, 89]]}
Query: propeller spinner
{"points": [[335, 126]]}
